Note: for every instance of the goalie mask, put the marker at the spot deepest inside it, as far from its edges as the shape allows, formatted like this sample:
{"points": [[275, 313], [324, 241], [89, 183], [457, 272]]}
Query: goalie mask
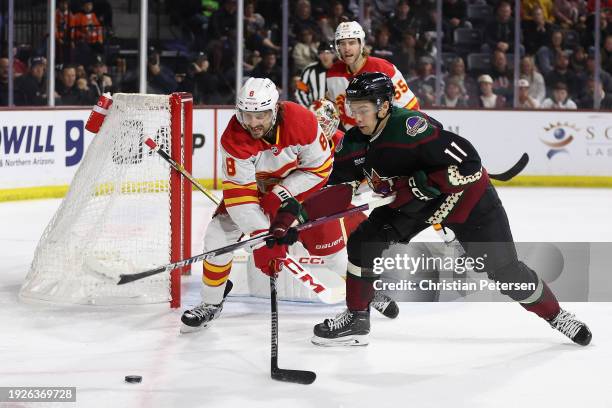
{"points": [[257, 106], [327, 116]]}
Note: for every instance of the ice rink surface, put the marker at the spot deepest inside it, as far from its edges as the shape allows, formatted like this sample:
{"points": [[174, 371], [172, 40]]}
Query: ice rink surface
{"points": [[433, 355]]}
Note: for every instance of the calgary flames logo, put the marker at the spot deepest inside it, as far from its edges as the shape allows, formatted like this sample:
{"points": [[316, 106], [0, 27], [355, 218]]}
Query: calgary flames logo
{"points": [[251, 93]]}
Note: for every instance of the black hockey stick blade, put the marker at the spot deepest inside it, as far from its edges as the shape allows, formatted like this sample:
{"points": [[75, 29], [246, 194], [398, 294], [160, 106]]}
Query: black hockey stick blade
{"points": [[513, 171], [127, 278], [294, 376]]}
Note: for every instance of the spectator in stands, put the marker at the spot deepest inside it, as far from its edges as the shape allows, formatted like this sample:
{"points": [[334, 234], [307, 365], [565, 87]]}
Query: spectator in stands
{"points": [[586, 102], [303, 18], [160, 79], [560, 98], [223, 21], [454, 13], [208, 88], [64, 32], [488, 99], [88, 29], [524, 100], [546, 6], [536, 31], [66, 90], [381, 47], [267, 68], [606, 54], [100, 81], [546, 56], [566, 13], [424, 84], [499, 34], [578, 60], [104, 12], [469, 87], [407, 54], [337, 14], [402, 21], [4, 65], [253, 21], [251, 60], [537, 86], [304, 51], [562, 73], [502, 75], [30, 88], [81, 72], [453, 97], [604, 77]]}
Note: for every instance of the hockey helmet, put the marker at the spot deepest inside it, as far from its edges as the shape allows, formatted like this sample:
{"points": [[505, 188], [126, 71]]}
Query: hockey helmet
{"points": [[327, 116], [349, 29], [257, 95], [371, 86]]}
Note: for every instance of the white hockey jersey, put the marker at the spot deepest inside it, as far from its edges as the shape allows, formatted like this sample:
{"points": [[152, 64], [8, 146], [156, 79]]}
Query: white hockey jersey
{"points": [[300, 160], [339, 76]]}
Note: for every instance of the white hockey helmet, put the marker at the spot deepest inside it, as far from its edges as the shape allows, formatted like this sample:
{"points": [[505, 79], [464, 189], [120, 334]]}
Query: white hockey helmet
{"points": [[327, 116], [257, 95], [349, 29]]}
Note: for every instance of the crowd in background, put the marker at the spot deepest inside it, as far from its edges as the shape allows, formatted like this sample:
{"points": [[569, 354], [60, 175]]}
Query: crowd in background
{"points": [[556, 52]]}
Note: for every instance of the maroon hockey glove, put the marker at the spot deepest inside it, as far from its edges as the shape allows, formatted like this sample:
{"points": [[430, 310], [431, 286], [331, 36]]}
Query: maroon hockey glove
{"points": [[405, 188], [289, 212], [320, 204]]}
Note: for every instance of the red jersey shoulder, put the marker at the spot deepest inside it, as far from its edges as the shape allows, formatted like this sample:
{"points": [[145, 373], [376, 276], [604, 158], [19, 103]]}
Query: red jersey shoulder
{"points": [[298, 126], [374, 64], [237, 141], [338, 69]]}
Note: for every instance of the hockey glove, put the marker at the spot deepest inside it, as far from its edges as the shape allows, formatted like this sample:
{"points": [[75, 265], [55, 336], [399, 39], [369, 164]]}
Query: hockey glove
{"points": [[289, 212], [268, 259], [414, 187]]}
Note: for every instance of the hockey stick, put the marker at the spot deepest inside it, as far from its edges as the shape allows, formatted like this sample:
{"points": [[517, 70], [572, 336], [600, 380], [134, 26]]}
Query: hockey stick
{"points": [[512, 171], [281, 374], [330, 290], [155, 147], [126, 278]]}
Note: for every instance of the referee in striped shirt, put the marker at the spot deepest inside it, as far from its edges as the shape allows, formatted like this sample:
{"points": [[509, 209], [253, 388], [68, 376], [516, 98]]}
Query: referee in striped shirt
{"points": [[311, 85]]}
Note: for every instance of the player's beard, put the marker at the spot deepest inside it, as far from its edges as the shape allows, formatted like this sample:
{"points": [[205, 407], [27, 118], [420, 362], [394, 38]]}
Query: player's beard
{"points": [[257, 132]]}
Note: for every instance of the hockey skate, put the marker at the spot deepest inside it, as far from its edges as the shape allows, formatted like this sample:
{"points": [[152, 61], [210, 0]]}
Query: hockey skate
{"points": [[385, 305], [573, 328], [203, 314], [346, 329]]}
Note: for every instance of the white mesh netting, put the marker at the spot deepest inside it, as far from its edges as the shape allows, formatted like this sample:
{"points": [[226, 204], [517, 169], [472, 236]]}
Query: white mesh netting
{"points": [[116, 216]]}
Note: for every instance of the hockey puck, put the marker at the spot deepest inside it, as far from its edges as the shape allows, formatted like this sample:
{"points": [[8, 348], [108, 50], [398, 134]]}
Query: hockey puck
{"points": [[133, 379]]}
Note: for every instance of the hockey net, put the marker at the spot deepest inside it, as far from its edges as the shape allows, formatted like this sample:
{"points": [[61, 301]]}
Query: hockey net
{"points": [[126, 211]]}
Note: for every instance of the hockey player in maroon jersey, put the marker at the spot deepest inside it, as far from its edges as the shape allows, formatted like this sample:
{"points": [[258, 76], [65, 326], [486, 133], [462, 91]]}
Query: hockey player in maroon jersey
{"points": [[349, 40], [436, 177], [328, 118]]}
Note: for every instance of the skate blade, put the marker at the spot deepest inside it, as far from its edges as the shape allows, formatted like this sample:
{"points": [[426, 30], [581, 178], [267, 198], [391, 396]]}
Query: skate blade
{"points": [[354, 340], [190, 329]]}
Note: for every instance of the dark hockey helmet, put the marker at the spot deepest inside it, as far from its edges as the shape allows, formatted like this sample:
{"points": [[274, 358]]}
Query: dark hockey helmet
{"points": [[372, 86]]}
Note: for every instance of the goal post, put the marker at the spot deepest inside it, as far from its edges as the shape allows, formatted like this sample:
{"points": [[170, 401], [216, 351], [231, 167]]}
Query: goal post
{"points": [[126, 210]]}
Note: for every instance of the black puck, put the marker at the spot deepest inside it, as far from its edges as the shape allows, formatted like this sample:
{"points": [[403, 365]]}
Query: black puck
{"points": [[133, 378]]}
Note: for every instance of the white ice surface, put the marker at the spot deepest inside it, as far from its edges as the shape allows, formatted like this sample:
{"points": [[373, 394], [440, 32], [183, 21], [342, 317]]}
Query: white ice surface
{"points": [[433, 355]]}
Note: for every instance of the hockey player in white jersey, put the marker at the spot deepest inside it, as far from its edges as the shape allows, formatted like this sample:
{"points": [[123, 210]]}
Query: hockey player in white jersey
{"points": [[272, 152], [349, 41]]}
